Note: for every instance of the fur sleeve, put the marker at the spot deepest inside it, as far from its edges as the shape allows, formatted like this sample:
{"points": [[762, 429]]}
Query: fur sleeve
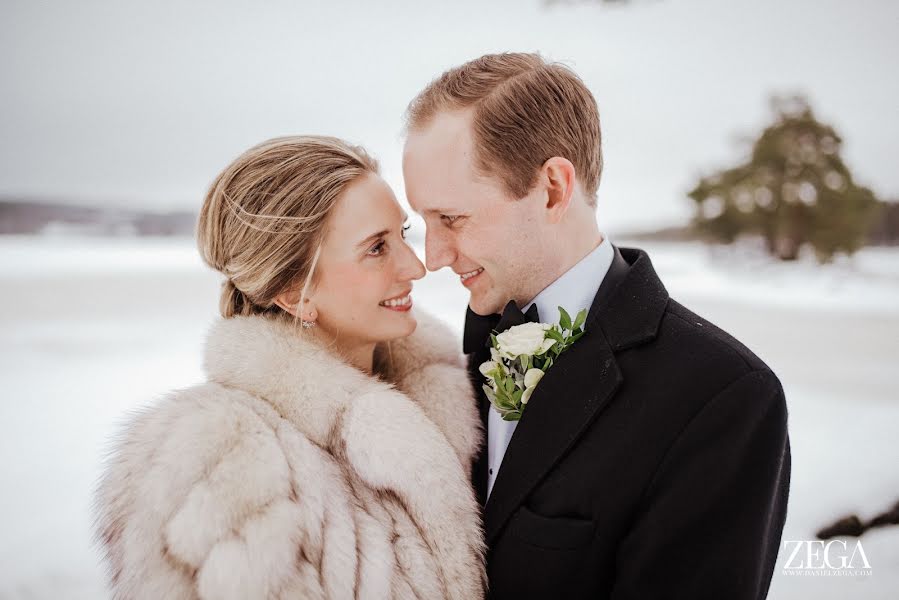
{"points": [[207, 477]]}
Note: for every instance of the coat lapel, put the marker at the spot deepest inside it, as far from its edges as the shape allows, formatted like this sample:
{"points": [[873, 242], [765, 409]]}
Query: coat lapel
{"points": [[626, 311], [556, 416]]}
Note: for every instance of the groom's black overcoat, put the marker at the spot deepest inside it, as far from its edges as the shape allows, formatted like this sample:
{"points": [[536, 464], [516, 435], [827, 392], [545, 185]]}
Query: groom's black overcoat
{"points": [[652, 460]]}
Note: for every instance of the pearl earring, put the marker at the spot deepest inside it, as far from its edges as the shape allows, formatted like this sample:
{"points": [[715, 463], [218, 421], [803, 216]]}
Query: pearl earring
{"points": [[311, 322]]}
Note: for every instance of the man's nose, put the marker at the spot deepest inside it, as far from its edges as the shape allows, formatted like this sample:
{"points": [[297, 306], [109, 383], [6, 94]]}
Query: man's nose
{"points": [[439, 251]]}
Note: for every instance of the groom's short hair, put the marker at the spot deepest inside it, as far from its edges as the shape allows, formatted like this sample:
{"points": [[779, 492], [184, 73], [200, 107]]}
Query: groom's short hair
{"points": [[526, 110]]}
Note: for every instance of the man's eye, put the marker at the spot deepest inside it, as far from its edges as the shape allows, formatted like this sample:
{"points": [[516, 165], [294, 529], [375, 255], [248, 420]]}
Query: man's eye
{"points": [[377, 249], [449, 219]]}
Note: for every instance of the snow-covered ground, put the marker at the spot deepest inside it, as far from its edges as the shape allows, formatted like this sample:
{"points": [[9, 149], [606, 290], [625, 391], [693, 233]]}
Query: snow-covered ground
{"points": [[90, 329]]}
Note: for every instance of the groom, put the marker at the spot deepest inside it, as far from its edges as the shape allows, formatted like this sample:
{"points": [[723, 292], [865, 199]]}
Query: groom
{"points": [[652, 460]]}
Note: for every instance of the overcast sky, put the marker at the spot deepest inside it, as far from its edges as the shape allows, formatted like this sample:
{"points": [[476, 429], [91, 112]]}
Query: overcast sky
{"points": [[143, 103]]}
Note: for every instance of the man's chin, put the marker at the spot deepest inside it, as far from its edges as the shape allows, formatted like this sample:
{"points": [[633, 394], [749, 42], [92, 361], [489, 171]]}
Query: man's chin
{"points": [[485, 306]]}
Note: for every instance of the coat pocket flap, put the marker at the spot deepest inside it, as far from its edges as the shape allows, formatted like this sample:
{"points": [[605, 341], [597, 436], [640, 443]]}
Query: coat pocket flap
{"points": [[551, 532]]}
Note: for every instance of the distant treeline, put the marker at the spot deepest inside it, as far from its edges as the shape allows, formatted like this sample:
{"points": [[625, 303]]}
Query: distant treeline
{"points": [[883, 231], [21, 217], [26, 217]]}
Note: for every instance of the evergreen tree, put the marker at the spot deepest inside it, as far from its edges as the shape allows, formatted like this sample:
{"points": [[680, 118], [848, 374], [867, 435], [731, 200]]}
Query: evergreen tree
{"points": [[794, 189]]}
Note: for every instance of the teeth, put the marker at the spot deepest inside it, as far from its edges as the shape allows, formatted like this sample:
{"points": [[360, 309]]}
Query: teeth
{"points": [[470, 274], [404, 301]]}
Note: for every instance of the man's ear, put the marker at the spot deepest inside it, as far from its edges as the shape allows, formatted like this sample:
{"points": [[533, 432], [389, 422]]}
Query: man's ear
{"points": [[561, 179]]}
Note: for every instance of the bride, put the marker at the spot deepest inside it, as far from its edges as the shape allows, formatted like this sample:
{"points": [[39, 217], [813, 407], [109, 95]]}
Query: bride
{"points": [[328, 453]]}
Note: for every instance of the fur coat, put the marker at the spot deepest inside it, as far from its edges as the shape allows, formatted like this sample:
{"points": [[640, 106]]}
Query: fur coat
{"points": [[291, 474]]}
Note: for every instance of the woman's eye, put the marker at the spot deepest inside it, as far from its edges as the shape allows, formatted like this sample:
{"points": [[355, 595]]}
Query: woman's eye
{"points": [[377, 249], [406, 228]]}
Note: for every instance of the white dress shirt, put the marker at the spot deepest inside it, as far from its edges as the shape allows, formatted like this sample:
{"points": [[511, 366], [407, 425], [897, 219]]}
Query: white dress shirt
{"points": [[573, 291]]}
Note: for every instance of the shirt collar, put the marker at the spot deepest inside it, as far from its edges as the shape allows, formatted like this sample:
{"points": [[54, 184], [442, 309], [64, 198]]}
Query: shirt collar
{"points": [[575, 289]]}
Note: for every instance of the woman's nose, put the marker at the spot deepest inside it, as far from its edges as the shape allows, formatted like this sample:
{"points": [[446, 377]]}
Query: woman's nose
{"points": [[412, 266]]}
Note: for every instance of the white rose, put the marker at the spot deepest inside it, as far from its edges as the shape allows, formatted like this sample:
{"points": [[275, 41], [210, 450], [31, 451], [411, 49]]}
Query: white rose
{"points": [[526, 338]]}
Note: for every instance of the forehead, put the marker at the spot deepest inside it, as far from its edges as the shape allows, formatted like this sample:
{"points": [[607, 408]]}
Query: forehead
{"points": [[439, 163], [365, 207]]}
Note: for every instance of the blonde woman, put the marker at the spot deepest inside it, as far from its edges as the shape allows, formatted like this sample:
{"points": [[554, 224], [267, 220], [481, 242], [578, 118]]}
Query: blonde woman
{"points": [[327, 455]]}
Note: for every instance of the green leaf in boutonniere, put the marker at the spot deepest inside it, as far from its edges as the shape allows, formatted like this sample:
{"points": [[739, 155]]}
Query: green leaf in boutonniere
{"points": [[521, 356], [579, 320]]}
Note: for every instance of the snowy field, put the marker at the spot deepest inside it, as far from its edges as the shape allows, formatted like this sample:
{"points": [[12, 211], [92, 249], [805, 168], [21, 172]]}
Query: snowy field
{"points": [[90, 329]]}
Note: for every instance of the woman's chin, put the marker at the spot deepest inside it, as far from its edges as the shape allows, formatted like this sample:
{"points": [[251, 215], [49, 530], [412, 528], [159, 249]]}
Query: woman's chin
{"points": [[401, 325]]}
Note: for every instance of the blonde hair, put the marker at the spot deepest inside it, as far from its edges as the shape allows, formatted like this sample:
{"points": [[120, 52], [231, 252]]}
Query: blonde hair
{"points": [[526, 111], [264, 216]]}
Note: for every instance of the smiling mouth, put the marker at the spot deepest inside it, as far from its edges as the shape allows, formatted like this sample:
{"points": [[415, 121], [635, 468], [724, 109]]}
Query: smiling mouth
{"points": [[466, 276], [402, 303]]}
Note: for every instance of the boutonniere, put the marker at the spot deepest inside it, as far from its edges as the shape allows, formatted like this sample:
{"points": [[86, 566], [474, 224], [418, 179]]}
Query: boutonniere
{"points": [[521, 356]]}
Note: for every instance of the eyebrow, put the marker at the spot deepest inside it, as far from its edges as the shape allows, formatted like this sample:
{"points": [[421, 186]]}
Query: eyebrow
{"points": [[437, 211], [372, 238], [381, 233]]}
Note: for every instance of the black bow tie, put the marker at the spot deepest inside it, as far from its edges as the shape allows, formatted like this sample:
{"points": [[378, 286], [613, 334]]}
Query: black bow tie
{"points": [[478, 327]]}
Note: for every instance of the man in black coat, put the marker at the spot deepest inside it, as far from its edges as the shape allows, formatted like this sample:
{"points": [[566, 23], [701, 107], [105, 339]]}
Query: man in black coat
{"points": [[652, 460]]}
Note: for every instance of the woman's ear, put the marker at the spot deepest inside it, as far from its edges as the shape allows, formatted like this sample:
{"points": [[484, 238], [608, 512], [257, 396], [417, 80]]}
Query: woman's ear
{"points": [[289, 302], [561, 180]]}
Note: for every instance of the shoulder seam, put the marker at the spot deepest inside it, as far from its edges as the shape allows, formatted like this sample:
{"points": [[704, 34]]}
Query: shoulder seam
{"points": [[716, 338]]}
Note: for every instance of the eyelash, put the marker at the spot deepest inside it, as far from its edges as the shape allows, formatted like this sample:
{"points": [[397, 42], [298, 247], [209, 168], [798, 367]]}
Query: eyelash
{"points": [[376, 250], [449, 220]]}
